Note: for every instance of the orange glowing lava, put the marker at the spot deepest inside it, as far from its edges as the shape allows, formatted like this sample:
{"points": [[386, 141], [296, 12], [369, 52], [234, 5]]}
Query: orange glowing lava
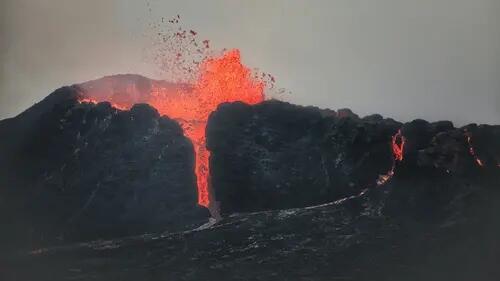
{"points": [[95, 101], [397, 144], [472, 151], [220, 79]]}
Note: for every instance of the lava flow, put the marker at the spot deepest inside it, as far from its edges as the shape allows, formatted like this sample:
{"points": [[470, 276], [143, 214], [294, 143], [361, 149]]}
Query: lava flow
{"points": [[472, 151], [220, 79], [397, 144]]}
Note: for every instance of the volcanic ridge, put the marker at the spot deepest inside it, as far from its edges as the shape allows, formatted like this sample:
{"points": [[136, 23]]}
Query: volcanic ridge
{"points": [[293, 191]]}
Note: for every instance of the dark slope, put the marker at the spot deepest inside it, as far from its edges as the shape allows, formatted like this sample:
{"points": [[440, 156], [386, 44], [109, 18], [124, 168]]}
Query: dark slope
{"points": [[74, 171], [277, 155], [361, 238]]}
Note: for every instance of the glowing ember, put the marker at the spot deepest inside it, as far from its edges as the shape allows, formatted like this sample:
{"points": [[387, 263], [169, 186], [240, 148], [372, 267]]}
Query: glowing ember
{"points": [[221, 79]]}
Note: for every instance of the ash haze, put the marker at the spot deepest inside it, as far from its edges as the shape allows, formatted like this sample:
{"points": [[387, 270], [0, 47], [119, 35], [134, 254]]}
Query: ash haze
{"points": [[430, 59]]}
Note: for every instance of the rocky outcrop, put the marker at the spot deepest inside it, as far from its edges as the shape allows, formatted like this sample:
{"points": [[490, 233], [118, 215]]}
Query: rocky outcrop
{"points": [[78, 171], [306, 194], [75, 171], [276, 155]]}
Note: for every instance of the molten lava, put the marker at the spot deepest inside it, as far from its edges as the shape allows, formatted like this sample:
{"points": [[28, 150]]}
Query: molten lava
{"points": [[472, 151], [95, 101], [220, 79], [397, 144]]}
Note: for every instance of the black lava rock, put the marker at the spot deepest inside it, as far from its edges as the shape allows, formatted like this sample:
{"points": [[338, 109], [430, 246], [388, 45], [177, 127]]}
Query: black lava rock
{"points": [[73, 172], [387, 233], [277, 155]]}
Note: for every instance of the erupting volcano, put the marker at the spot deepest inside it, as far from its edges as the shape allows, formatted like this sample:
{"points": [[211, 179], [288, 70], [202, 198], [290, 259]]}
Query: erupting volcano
{"points": [[193, 165], [221, 79], [203, 80]]}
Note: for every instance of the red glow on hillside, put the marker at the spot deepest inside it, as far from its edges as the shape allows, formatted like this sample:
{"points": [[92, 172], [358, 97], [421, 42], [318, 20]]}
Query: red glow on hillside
{"points": [[220, 79]]}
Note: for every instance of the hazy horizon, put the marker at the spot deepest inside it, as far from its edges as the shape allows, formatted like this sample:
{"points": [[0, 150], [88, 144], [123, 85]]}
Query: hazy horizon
{"points": [[428, 59]]}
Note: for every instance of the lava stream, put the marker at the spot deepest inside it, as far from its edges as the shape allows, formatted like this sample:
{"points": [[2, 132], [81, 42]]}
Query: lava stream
{"points": [[397, 144], [472, 151]]}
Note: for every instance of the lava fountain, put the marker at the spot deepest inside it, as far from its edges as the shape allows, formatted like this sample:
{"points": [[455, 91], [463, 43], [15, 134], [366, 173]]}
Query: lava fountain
{"points": [[220, 79], [204, 80]]}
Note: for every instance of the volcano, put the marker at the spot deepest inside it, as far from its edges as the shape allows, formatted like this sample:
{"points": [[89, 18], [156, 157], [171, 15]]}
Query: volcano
{"points": [[222, 79], [109, 180]]}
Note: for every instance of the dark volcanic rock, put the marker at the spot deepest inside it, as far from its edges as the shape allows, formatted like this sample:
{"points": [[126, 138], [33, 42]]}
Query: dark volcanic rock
{"points": [[375, 236], [72, 171], [276, 155], [485, 140]]}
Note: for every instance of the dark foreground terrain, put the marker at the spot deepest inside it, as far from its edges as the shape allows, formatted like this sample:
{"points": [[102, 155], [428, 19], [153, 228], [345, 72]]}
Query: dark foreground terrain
{"points": [[355, 239], [305, 194]]}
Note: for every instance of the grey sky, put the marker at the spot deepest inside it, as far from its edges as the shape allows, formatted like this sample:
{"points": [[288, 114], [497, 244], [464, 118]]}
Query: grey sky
{"points": [[431, 59]]}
